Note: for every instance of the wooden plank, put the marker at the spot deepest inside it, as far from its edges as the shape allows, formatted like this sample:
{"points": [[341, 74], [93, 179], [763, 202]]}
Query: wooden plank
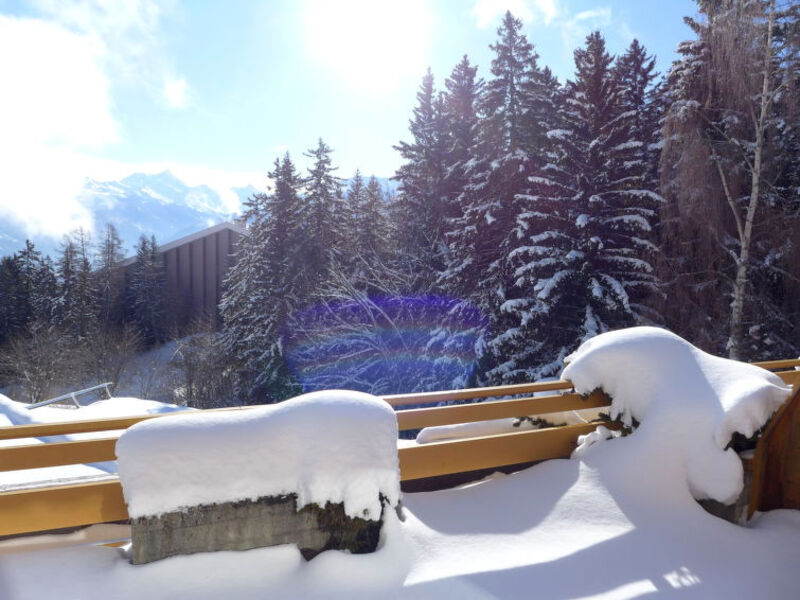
{"points": [[456, 456], [499, 409], [65, 427], [57, 507], [778, 364], [790, 377], [468, 394], [56, 454], [104, 424]]}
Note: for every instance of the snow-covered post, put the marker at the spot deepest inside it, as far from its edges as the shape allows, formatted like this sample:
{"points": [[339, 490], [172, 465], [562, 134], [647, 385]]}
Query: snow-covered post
{"points": [[318, 471]]}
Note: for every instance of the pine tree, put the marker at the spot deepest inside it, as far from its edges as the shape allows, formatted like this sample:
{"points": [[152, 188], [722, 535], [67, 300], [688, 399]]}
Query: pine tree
{"points": [[365, 233], [373, 236], [75, 309], [13, 300], [324, 211], [269, 281], [515, 113], [146, 291], [421, 203], [588, 225], [110, 277]]}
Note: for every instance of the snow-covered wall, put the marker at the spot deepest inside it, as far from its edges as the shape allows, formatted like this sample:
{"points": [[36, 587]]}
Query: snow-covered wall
{"points": [[333, 446]]}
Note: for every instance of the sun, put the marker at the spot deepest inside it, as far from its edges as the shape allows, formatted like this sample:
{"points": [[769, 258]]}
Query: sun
{"points": [[370, 43]]}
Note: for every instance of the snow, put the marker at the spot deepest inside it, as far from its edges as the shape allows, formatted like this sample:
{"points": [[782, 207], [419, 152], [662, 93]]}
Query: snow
{"points": [[337, 446], [616, 521], [686, 421]]}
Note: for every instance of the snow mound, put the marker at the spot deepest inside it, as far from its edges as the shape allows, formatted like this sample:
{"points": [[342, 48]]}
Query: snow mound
{"points": [[337, 446], [689, 403]]}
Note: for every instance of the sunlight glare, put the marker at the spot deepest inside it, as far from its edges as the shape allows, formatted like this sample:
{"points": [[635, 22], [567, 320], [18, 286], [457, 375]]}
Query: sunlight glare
{"points": [[375, 44]]}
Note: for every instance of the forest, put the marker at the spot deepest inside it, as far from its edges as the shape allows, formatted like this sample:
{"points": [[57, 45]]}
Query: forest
{"points": [[530, 215]]}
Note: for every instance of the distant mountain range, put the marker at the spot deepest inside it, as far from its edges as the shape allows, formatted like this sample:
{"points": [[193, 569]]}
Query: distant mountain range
{"points": [[158, 204]]}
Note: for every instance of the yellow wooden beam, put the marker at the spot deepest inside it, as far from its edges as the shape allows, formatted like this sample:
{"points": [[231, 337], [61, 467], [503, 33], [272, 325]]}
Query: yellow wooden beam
{"points": [[771, 365], [56, 454], [57, 507], [67, 427], [456, 456], [485, 411], [468, 394], [790, 377]]}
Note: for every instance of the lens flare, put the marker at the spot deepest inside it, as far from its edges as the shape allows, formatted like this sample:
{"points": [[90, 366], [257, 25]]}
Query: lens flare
{"points": [[384, 345]]}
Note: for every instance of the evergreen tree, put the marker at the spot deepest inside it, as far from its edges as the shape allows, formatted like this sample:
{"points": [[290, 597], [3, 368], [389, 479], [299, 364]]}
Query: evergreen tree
{"points": [[75, 309], [14, 307], [421, 203], [365, 235], [269, 281], [146, 291], [324, 211], [588, 225], [515, 114], [110, 276], [373, 234]]}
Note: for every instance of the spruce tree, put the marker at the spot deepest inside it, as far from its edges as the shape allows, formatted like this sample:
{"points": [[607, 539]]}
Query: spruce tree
{"points": [[515, 114], [588, 227], [270, 279], [421, 203], [146, 291], [324, 211], [110, 277], [75, 310]]}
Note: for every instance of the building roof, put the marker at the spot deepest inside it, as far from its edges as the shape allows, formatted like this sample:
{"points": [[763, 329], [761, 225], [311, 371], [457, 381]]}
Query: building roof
{"points": [[187, 239]]}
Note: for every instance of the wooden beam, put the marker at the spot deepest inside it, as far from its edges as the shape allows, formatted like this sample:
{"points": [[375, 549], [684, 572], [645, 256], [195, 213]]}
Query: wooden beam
{"points": [[456, 456], [484, 411], [790, 377], [56, 454], [468, 394], [788, 363], [57, 507], [66, 427], [104, 424]]}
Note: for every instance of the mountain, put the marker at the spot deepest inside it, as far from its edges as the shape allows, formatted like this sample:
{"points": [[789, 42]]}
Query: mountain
{"points": [[147, 204], [141, 204], [160, 205]]}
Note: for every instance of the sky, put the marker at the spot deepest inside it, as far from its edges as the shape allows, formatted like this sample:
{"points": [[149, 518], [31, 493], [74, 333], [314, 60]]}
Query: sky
{"points": [[215, 91]]}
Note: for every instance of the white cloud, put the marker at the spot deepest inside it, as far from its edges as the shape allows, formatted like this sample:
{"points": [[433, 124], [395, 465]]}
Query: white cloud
{"points": [[175, 92], [575, 29], [548, 9], [56, 104], [59, 72], [488, 12]]}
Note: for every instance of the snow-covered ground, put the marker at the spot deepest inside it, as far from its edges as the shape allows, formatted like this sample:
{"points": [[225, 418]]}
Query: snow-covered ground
{"points": [[619, 520]]}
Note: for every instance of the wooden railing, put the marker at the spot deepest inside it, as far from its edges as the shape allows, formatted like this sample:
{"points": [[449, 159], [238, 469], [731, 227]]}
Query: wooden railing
{"points": [[63, 506]]}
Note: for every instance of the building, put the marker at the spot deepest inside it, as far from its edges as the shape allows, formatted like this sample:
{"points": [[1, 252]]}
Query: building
{"points": [[195, 267]]}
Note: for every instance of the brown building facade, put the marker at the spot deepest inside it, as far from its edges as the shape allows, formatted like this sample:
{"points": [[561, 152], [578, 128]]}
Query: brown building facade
{"points": [[195, 267]]}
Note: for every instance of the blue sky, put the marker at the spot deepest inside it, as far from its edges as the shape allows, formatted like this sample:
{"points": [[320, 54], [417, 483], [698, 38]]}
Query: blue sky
{"points": [[214, 91]]}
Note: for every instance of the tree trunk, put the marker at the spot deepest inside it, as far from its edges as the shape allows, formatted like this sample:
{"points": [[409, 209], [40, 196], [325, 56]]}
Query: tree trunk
{"points": [[735, 341]]}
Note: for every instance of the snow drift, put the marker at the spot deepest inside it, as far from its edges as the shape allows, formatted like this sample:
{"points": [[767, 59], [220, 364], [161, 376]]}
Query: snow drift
{"points": [[688, 402], [331, 446]]}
